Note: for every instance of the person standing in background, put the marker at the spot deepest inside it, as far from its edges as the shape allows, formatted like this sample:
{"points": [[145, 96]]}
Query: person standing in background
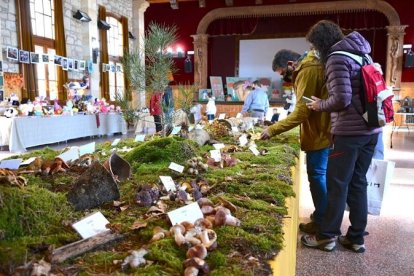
{"points": [[156, 109], [211, 108], [196, 111], [257, 101], [308, 80]]}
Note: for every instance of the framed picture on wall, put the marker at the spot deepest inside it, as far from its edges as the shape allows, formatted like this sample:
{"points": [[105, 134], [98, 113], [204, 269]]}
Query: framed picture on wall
{"points": [[34, 57], [1, 66], [13, 53], [45, 58], [217, 88], [24, 56], [64, 63], [104, 67], [75, 65], [81, 65], [203, 94], [70, 64], [236, 88], [58, 60], [118, 68]]}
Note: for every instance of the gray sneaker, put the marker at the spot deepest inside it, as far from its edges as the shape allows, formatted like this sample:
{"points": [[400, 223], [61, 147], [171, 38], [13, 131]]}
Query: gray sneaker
{"points": [[357, 248], [312, 242]]}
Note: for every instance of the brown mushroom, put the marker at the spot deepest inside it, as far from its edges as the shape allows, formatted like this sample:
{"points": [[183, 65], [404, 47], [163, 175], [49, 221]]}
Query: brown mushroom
{"points": [[199, 251], [158, 233], [194, 265], [178, 232], [208, 237], [222, 218], [203, 223]]}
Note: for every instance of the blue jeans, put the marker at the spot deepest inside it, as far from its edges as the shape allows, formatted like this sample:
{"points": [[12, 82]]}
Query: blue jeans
{"points": [[379, 148], [316, 165], [346, 182]]}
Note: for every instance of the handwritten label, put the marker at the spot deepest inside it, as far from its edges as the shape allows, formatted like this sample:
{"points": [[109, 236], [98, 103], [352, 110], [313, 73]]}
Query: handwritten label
{"points": [[216, 155], [91, 225], [168, 183], [176, 167], [234, 129], [140, 138], [243, 140], [116, 142], [239, 116], [190, 213], [199, 127], [12, 164], [28, 161], [88, 148], [222, 116], [71, 154], [175, 130], [254, 150], [218, 146]]}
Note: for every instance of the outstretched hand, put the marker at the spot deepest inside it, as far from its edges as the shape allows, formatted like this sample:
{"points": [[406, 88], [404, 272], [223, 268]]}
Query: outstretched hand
{"points": [[315, 104], [265, 135]]}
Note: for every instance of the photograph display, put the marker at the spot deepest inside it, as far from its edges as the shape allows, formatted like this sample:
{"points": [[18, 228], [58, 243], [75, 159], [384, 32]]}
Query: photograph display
{"points": [[217, 88], [34, 57], [13, 53], [24, 56]]}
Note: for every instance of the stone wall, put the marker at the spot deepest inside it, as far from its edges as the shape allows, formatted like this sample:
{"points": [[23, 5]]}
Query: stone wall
{"points": [[8, 33]]}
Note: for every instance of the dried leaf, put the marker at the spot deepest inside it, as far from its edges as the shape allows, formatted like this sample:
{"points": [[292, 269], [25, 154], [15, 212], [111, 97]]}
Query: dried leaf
{"points": [[138, 224]]}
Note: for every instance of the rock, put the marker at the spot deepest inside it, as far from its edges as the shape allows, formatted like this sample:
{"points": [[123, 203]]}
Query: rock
{"points": [[200, 136]]}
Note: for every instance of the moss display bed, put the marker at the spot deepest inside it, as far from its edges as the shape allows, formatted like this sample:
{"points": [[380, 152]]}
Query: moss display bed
{"points": [[37, 219]]}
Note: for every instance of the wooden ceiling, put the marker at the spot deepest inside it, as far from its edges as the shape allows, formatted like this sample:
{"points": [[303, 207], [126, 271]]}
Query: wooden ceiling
{"points": [[201, 3]]}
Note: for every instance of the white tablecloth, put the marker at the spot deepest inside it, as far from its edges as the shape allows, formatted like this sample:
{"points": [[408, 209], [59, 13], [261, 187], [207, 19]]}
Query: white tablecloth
{"points": [[34, 131]]}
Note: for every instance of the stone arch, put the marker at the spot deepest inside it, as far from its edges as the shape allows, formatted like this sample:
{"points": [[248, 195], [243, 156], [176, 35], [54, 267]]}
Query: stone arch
{"points": [[395, 31]]}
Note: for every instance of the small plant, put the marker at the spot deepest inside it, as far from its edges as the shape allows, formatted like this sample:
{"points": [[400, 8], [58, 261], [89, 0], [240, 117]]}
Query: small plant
{"points": [[128, 112]]}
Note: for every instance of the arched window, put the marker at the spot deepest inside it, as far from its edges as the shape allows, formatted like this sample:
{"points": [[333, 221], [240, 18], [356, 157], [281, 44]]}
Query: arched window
{"points": [[115, 54], [42, 16]]}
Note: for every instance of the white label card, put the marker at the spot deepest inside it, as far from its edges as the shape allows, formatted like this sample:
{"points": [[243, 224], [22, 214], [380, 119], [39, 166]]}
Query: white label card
{"points": [[88, 148], [168, 183], [175, 130], [216, 155], [116, 142], [239, 115], [91, 225], [254, 150], [190, 213], [140, 138], [222, 116], [235, 129], [243, 140], [199, 127], [176, 167], [190, 128], [70, 154], [218, 146], [12, 164], [28, 161]]}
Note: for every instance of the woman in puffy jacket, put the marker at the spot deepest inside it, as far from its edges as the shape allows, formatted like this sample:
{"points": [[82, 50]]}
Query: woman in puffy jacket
{"points": [[353, 142]]}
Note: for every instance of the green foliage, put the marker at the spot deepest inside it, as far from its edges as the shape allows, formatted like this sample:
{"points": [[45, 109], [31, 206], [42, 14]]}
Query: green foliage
{"points": [[148, 66]]}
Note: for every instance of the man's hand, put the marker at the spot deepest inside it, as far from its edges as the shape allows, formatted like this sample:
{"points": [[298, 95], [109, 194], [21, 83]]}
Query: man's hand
{"points": [[315, 104], [265, 134]]}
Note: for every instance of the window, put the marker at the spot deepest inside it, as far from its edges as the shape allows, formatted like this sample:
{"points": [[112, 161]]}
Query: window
{"points": [[43, 28], [115, 54]]}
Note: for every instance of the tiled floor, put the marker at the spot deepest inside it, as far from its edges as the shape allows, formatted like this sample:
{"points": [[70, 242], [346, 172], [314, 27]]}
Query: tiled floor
{"points": [[390, 244]]}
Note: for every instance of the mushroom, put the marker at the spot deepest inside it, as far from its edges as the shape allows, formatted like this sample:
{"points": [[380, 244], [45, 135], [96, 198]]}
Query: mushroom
{"points": [[178, 230], [228, 204], [203, 223], [208, 237], [204, 201], [207, 210], [135, 259], [194, 265], [190, 236], [224, 218], [199, 251], [187, 225], [158, 233]]}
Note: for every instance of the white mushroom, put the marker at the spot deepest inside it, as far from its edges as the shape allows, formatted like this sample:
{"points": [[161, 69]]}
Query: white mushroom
{"points": [[178, 231], [199, 251], [208, 237]]}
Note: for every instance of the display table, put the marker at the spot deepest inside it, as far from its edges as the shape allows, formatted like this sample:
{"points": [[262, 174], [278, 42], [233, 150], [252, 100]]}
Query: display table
{"points": [[401, 120], [32, 131]]}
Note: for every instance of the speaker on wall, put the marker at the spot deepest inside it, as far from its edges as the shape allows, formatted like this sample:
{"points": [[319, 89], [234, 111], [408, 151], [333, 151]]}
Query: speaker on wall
{"points": [[409, 60], [102, 24]]}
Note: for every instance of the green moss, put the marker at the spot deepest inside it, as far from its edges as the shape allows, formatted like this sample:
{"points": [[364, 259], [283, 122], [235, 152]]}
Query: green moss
{"points": [[46, 153], [32, 211], [166, 253]]}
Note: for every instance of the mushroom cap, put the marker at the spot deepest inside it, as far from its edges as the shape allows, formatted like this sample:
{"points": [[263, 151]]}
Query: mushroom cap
{"points": [[177, 228], [199, 251], [204, 202], [203, 223]]}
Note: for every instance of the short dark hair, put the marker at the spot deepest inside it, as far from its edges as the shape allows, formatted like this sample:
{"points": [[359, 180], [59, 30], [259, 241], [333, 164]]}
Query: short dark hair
{"points": [[323, 35], [282, 57]]}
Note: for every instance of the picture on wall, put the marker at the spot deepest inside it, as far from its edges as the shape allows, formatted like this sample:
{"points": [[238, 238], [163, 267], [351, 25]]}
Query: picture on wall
{"points": [[81, 65], [24, 56], [1, 95], [113, 68], [64, 63], [107, 67], [236, 88], [1, 66], [75, 64], [217, 88], [104, 67], [58, 60], [45, 58], [13, 53], [118, 68], [203, 94], [70, 64], [34, 57]]}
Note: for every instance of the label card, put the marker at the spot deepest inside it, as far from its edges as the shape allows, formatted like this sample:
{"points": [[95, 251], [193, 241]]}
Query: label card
{"points": [[190, 128], [199, 126], [222, 116], [91, 225], [254, 150], [175, 167], [116, 142], [190, 213], [218, 146], [234, 129], [168, 183], [243, 140], [216, 155], [12, 164], [140, 138], [88, 148], [28, 161], [239, 115], [175, 130], [71, 154]]}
